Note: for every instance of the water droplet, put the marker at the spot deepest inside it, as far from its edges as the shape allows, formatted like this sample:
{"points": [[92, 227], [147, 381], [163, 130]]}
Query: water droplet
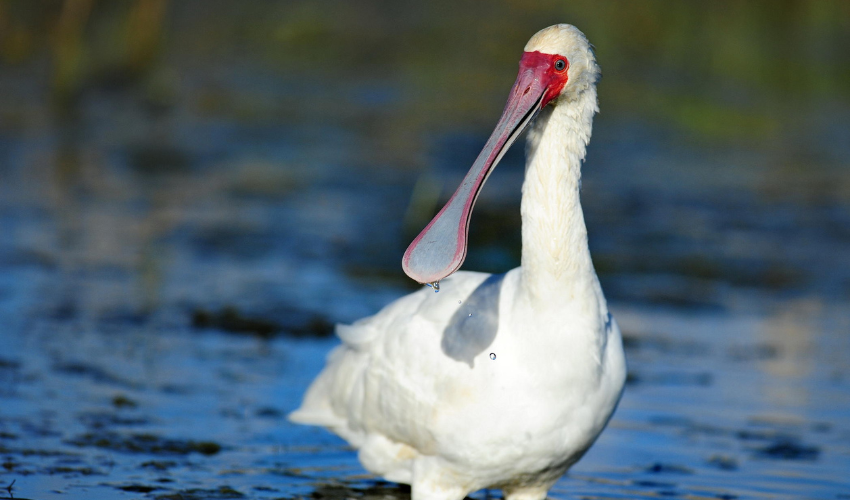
{"points": [[469, 315], [492, 355], [435, 285], [458, 302]]}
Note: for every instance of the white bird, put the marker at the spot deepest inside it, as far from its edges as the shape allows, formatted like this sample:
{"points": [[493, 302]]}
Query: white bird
{"points": [[498, 381]]}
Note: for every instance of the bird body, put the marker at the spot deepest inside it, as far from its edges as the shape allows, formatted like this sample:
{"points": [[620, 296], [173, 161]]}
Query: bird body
{"points": [[498, 380]]}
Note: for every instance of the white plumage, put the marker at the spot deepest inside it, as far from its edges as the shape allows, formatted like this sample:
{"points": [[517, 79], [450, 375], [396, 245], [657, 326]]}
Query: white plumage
{"points": [[414, 387]]}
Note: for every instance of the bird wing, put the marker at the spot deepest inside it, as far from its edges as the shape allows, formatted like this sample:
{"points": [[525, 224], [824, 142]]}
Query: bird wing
{"points": [[390, 369]]}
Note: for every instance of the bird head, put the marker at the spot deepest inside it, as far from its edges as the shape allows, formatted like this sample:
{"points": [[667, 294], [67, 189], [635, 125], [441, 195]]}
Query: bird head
{"points": [[562, 60], [557, 65]]}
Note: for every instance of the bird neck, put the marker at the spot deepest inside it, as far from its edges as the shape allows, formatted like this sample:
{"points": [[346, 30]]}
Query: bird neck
{"points": [[556, 260]]}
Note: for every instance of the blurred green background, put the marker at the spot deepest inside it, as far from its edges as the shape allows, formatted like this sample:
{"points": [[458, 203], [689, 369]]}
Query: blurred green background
{"points": [[166, 142]]}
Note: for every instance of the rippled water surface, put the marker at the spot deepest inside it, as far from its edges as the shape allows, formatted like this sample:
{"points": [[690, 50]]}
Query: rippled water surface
{"points": [[193, 193]]}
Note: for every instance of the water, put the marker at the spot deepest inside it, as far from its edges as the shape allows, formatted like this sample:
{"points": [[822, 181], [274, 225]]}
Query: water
{"points": [[185, 222], [493, 356]]}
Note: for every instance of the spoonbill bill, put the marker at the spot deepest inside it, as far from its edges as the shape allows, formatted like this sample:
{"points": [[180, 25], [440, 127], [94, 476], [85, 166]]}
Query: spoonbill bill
{"points": [[498, 381]]}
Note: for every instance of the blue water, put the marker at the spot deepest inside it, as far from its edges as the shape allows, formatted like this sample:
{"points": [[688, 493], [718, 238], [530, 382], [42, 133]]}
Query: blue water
{"points": [[717, 406]]}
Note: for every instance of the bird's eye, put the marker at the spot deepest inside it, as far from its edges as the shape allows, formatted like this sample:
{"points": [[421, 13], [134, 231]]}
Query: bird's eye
{"points": [[560, 64]]}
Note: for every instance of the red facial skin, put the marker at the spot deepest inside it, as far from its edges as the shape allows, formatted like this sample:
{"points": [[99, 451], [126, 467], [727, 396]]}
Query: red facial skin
{"points": [[543, 65]]}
